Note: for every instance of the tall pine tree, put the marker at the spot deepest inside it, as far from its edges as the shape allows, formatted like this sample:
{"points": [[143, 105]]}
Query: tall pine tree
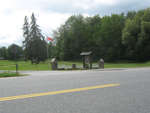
{"points": [[26, 35], [35, 45]]}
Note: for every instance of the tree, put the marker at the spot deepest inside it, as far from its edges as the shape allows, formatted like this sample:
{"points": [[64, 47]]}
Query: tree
{"points": [[26, 35], [131, 14], [102, 36], [136, 36], [71, 38], [92, 31], [110, 37], [34, 43], [3, 53], [130, 37], [15, 52], [143, 47], [115, 37]]}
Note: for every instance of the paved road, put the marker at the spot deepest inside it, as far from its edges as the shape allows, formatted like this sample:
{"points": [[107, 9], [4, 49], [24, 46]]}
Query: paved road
{"points": [[132, 96]]}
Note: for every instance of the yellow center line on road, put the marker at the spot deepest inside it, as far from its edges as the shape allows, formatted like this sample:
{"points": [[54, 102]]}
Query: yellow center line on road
{"points": [[57, 92]]}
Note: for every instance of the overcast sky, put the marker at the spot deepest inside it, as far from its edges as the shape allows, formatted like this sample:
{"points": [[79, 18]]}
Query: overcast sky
{"points": [[51, 14]]}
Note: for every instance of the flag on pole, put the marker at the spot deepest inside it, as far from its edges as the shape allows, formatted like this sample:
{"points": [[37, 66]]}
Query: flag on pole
{"points": [[49, 39]]}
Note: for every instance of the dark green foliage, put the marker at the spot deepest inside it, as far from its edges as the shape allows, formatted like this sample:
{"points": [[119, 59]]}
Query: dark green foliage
{"points": [[102, 36], [15, 52], [3, 53], [77, 35], [26, 35], [34, 43], [115, 37], [136, 36], [131, 14], [110, 37]]}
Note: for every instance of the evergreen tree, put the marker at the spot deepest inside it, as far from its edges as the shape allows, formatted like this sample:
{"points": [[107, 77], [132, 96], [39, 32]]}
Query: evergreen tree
{"points": [[38, 44], [26, 35], [35, 45]]}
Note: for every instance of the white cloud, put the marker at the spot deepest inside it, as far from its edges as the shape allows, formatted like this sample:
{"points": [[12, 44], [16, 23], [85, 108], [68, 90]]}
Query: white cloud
{"points": [[11, 25], [52, 13], [106, 2], [51, 21], [88, 4]]}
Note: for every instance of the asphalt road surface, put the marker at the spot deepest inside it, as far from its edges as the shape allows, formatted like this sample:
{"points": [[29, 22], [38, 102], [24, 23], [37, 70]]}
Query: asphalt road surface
{"points": [[94, 91]]}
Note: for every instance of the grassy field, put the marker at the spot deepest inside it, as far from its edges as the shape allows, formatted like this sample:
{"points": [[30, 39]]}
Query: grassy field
{"points": [[22, 65], [10, 65], [10, 74], [127, 65]]}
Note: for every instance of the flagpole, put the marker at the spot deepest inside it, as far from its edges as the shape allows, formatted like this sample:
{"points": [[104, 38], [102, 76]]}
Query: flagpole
{"points": [[48, 39], [48, 57]]}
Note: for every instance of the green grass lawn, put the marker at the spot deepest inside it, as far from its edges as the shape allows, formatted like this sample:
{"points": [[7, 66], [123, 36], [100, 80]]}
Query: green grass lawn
{"points": [[10, 74], [127, 65], [10, 65]]}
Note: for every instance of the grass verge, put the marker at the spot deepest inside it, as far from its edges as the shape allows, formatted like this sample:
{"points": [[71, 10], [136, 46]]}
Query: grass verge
{"points": [[10, 74]]}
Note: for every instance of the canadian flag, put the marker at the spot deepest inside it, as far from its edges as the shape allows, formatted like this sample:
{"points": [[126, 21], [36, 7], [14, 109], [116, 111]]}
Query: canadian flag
{"points": [[49, 39]]}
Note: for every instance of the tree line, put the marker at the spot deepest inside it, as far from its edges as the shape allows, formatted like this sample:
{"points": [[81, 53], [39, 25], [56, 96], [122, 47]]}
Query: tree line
{"points": [[115, 38], [13, 52]]}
